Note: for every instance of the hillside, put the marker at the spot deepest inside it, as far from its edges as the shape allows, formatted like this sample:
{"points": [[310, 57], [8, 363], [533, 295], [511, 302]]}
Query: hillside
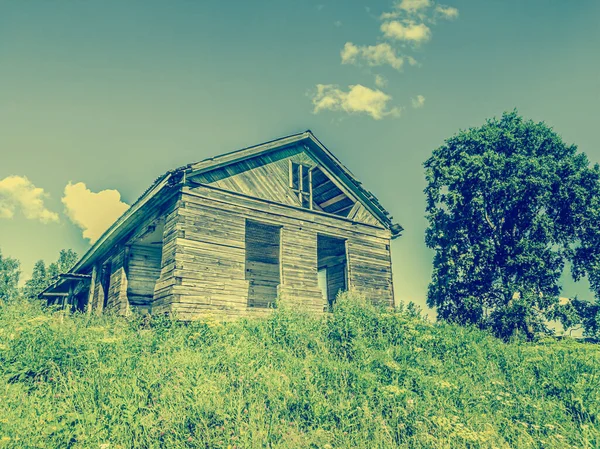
{"points": [[360, 377]]}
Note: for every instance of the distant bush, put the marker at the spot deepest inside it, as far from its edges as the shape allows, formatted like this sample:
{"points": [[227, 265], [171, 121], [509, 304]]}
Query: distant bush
{"points": [[9, 278], [360, 377]]}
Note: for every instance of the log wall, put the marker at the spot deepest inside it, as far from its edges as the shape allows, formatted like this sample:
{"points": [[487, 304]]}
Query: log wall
{"points": [[208, 245]]}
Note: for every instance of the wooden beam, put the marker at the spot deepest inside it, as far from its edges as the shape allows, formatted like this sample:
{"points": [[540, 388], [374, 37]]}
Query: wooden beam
{"points": [[353, 211], [56, 294], [333, 200], [90, 298], [310, 188]]}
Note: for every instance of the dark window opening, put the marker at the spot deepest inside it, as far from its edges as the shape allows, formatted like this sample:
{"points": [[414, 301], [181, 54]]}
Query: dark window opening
{"points": [[332, 268], [262, 263]]}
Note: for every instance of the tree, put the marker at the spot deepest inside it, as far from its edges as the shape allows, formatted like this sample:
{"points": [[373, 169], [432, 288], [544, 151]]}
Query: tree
{"points": [[9, 278], [38, 281], [66, 260], [43, 276], [507, 203]]}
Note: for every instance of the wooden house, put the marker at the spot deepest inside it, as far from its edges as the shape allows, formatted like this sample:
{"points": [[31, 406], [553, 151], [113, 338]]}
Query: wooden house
{"points": [[229, 235]]}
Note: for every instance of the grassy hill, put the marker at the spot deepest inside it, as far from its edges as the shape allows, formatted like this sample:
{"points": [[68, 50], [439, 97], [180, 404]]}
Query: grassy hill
{"points": [[360, 377]]}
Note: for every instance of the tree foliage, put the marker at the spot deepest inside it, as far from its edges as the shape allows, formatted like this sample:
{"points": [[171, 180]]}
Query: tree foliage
{"points": [[508, 204], [9, 278], [42, 276]]}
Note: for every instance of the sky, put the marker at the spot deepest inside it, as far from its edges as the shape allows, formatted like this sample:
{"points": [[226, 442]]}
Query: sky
{"points": [[98, 98]]}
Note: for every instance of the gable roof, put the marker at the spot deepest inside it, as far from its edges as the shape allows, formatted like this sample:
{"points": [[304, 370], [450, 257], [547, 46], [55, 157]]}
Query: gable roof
{"points": [[177, 176], [323, 156]]}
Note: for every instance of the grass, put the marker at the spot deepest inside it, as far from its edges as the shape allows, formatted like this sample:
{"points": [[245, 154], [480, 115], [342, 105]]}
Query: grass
{"points": [[357, 378]]}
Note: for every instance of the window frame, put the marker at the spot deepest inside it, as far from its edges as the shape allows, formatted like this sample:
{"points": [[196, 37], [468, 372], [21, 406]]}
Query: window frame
{"points": [[305, 193]]}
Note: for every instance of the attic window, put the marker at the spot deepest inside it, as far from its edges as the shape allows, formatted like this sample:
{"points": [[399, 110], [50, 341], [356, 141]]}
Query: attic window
{"points": [[301, 183]]}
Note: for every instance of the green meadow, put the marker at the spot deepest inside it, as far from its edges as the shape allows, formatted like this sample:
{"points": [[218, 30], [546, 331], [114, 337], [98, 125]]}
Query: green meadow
{"points": [[360, 377]]}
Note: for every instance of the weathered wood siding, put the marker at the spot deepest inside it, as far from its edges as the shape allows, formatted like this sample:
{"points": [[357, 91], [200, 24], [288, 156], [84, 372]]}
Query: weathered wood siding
{"points": [[267, 177], [263, 270], [117, 292], [143, 271], [209, 275], [143, 265], [163, 289]]}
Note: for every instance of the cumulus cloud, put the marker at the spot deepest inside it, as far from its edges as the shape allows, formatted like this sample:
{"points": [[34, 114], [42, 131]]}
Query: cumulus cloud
{"points": [[413, 5], [373, 55], [409, 31], [19, 193], [446, 12], [92, 212], [358, 99], [413, 8], [418, 102]]}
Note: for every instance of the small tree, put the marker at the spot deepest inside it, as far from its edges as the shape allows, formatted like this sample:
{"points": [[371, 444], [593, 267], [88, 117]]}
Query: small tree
{"points": [[41, 276], [38, 281], [66, 260], [507, 204], [9, 278]]}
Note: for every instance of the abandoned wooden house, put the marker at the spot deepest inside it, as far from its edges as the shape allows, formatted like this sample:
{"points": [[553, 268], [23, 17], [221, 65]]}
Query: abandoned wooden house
{"points": [[231, 234]]}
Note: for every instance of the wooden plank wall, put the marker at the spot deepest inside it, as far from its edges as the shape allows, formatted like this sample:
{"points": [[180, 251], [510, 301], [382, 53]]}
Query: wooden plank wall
{"points": [[163, 289], [263, 272], [209, 253], [362, 215], [265, 177], [143, 271], [117, 292], [120, 260]]}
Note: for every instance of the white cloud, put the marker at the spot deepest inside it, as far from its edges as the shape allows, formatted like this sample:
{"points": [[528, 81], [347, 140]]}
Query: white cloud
{"points": [[447, 12], [349, 53], [18, 193], [337, 23], [359, 99], [409, 31], [92, 212], [412, 61], [380, 81], [413, 5], [374, 55], [418, 102]]}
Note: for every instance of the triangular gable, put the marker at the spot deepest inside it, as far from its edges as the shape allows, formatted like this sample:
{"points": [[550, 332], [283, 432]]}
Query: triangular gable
{"points": [[362, 207]]}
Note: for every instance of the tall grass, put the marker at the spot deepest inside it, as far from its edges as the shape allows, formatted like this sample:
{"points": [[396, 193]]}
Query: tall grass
{"points": [[357, 378]]}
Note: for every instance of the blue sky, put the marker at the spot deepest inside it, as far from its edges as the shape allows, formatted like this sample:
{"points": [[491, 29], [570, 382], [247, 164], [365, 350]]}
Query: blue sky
{"points": [[111, 94]]}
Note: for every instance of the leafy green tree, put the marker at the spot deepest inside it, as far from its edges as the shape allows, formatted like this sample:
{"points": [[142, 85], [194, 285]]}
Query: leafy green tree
{"points": [[507, 203], [38, 281], [66, 260], [585, 262], [43, 276], [9, 278]]}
